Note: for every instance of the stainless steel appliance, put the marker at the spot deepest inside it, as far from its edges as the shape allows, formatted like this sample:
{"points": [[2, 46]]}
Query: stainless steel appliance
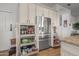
{"points": [[43, 25]]}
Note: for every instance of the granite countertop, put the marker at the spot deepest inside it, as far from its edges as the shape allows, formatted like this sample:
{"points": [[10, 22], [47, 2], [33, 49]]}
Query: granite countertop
{"points": [[72, 40]]}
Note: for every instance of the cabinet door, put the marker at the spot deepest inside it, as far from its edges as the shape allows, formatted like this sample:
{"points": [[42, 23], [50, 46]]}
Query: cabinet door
{"points": [[51, 15], [45, 10], [32, 14], [23, 13], [39, 11]]}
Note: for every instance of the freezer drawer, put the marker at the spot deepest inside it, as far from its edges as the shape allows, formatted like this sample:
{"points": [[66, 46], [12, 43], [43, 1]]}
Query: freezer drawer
{"points": [[44, 44]]}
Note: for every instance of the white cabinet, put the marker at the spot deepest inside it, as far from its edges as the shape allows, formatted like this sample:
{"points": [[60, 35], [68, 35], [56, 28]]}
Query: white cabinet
{"points": [[68, 49], [27, 14], [55, 21], [50, 14], [39, 11], [45, 11], [32, 14], [23, 13]]}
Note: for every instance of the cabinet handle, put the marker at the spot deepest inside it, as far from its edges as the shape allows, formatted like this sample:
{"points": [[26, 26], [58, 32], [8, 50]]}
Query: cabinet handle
{"points": [[10, 27], [29, 21]]}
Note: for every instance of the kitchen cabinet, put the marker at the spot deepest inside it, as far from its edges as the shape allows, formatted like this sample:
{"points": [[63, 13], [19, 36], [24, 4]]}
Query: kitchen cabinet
{"points": [[51, 15], [68, 49], [27, 14], [39, 11], [32, 14], [45, 12], [23, 13], [55, 18], [42, 11]]}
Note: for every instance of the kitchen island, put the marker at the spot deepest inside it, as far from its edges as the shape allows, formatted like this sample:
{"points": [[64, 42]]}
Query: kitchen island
{"points": [[70, 46]]}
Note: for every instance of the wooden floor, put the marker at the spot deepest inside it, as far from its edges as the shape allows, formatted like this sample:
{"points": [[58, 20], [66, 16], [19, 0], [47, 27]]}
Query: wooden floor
{"points": [[46, 52], [50, 52]]}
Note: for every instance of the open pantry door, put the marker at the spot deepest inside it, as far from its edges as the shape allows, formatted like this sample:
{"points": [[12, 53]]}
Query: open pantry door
{"points": [[6, 30]]}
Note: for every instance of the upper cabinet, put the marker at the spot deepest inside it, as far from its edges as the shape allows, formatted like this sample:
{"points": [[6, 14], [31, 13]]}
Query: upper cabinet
{"points": [[45, 11], [32, 14], [39, 11], [50, 13], [23, 13], [42, 11], [27, 14]]}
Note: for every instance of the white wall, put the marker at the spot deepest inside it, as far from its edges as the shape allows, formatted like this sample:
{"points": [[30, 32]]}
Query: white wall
{"points": [[10, 8], [66, 15], [10, 12]]}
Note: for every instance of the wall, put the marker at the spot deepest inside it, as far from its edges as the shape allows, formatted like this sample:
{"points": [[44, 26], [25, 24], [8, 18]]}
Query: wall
{"points": [[66, 15], [9, 15], [11, 8]]}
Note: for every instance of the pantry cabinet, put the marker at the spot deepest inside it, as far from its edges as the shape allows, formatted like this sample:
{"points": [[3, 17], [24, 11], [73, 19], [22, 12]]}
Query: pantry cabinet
{"points": [[50, 13], [39, 11], [42, 11], [45, 12], [27, 14], [32, 14], [23, 14]]}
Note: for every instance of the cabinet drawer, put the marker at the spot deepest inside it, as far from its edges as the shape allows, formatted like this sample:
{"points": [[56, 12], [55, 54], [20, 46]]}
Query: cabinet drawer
{"points": [[70, 48], [66, 53]]}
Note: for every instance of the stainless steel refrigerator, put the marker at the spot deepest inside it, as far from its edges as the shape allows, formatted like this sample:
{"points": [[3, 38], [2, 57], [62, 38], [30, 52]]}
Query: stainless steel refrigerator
{"points": [[43, 28]]}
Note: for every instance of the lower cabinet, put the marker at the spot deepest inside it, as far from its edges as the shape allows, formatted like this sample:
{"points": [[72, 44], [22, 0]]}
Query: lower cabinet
{"points": [[68, 49]]}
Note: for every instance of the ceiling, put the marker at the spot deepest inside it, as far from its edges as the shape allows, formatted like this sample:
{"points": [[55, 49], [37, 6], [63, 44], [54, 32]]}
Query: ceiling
{"points": [[74, 7]]}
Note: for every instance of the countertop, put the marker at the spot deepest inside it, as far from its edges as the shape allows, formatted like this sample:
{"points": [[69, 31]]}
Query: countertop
{"points": [[72, 40]]}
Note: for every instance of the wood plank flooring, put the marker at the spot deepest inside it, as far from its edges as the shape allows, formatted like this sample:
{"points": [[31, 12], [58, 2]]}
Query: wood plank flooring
{"points": [[4, 53], [46, 52], [50, 52]]}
